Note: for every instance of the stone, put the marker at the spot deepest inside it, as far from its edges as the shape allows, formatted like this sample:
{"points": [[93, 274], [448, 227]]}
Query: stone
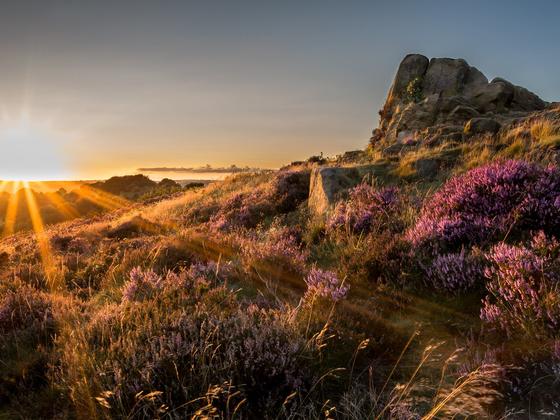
{"points": [[411, 67], [394, 149], [463, 112], [426, 167], [445, 76], [453, 92], [496, 96], [326, 185], [473, 80], [481, 126], [329, 184], [526, 100]]}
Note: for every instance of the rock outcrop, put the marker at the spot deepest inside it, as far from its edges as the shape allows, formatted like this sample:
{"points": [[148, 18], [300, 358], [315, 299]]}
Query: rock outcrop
{"points": [[447, 99], [328, 184]]}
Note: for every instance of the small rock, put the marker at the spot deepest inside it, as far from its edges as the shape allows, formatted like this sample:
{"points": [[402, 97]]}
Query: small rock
{"points": [[463, 112], [326, 185], [426, 167], [481, 126], [394, 149]]}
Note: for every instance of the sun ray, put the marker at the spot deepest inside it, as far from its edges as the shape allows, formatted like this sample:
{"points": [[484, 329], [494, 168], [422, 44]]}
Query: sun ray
{"points": [[40, 234], [64, 208], [11, 211], [3, 186], [103, 199]]}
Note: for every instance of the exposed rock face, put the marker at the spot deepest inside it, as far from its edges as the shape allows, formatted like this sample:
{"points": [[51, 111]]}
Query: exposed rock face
{"points": [[482, 126], [326, 185], [444, 93]]}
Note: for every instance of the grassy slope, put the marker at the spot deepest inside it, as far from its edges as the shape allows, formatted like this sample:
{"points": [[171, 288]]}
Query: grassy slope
{"points": [[92, 259]]}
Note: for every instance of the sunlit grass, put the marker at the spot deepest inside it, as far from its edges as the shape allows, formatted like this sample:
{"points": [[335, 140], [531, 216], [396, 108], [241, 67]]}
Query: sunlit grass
{"points": [[12, 209], [40, 234], [66, 210], [101, 198]]}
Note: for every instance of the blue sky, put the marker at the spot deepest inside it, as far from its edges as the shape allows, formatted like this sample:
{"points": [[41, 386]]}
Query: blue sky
{"points": [[123, 84]]}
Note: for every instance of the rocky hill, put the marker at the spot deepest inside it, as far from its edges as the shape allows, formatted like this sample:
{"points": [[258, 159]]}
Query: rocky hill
{"points": [[447, 99], [441, 118]]}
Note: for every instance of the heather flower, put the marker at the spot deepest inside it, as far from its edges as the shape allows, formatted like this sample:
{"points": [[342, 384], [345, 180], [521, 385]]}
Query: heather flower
{"points": [[246, 209], [488, 203], [454, 272], [142, 285], [523, 291], [280, 245], [191, 349], [366, 208], [324, 284]]}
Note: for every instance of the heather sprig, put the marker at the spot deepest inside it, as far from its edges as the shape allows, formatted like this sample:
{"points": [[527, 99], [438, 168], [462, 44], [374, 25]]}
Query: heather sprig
{"points": [[366, 208], [454, 272], [324, 284]]}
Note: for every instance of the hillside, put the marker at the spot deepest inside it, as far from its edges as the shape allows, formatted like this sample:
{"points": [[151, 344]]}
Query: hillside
{"points": [[415, 279]]}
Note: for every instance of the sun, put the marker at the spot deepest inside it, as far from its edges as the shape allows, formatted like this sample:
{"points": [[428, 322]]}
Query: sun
{"points": [[30, 152]]}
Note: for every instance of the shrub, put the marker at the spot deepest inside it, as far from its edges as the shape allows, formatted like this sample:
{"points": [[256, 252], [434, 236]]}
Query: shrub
{"points": [[488, 203], [189, 351], [414, 90], [324, 284], [454, 272], [249, 208], [278, 245], [366, 209], [25, 309], [523, 289], [145, 284]]}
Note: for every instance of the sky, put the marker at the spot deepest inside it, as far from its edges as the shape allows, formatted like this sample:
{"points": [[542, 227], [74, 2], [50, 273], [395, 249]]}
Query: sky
{"points": [[90, 89]]}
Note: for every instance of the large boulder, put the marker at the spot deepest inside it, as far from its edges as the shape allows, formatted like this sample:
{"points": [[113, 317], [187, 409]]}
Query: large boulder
{"points": [[329, 184], [444, 76], [326, 186], [447, 91], [412, 66]]}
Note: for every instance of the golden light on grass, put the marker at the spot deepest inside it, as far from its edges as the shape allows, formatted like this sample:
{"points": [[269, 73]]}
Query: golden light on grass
{"points": [[40, 234], [103, 199], [66, 210], [11, 211], [3, 186]]}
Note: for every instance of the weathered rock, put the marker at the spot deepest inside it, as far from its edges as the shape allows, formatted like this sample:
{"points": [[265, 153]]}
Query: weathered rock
{"points": [[427, 168], [473, 80], [452, 92], [525, 100], [329, 184], [394, 149], [482, 126], [411, 67], [445, 76], [326, 185], [463, 112], [496, 96]]}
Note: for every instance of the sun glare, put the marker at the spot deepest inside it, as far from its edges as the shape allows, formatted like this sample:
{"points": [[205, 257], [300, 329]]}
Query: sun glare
{"points": [[29, 152]]}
